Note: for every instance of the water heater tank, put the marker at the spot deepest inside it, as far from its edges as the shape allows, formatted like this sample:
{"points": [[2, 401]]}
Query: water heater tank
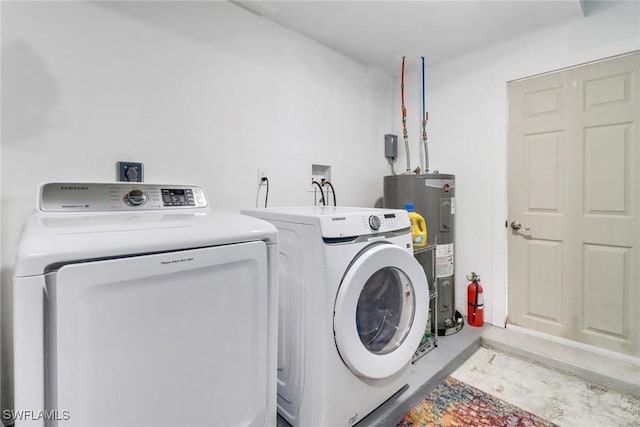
{"points": [[433, 196]]}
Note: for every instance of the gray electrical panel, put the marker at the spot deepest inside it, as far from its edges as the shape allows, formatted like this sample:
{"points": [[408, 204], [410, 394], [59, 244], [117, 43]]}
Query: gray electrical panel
{"points": [[433, 196], [391, 146]]}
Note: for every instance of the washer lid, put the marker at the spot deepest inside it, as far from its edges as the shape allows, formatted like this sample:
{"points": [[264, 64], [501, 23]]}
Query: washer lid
{"points": [[381, 311]]}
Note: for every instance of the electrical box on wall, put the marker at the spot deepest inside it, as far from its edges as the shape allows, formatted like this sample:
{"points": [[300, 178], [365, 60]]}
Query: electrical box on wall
{"points": [[391, 147], [319, 173], [130, 171]]}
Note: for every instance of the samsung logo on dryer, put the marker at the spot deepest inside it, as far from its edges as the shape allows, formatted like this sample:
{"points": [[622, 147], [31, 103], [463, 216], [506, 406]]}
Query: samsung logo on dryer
{"points": [[74, 188], [338, 218]]}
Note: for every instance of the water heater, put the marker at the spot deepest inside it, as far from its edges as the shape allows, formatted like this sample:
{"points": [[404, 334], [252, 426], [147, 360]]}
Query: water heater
{"points": [[433, 196]]}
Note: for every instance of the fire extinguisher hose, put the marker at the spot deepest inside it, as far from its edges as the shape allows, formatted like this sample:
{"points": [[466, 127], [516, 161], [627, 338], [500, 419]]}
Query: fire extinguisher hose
{"points": [[475, 302]]}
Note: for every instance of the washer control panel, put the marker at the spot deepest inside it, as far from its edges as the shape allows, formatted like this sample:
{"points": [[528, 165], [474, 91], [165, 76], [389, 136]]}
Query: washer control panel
{"points": [[362, 223], [109, 197]]}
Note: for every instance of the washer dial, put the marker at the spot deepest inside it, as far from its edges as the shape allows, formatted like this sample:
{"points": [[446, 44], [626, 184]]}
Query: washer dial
{"points": [[374, 222]]}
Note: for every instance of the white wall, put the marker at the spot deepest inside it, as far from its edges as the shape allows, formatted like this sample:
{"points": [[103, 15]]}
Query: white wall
{"points": [[467, 102], [201, 92]]}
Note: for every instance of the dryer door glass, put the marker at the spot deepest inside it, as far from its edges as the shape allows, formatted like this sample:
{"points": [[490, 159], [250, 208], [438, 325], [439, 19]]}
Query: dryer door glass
{"points": [[385, 310]]}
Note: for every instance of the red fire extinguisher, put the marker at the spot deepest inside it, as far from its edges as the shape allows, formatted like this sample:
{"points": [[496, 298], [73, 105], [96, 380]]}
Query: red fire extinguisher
{"points": [[475, 314]]}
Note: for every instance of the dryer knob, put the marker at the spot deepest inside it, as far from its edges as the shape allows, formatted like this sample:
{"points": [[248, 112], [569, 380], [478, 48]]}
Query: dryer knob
{"points": [[136, 198], [374, 222]]}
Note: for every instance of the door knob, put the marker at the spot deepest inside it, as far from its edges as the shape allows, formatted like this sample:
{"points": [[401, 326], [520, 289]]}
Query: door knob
{"points": [[516, 226]]}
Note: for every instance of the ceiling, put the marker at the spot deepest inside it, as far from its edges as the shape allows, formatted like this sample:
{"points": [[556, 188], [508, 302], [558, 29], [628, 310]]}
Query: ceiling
{"points": [[379, 33]]}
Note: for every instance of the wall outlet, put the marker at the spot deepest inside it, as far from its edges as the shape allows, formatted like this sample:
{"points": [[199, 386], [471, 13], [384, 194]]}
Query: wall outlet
{"points": [[129, 172]]}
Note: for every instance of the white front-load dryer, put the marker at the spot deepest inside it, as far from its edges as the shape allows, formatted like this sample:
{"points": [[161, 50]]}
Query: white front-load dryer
{"points": [[136, 305], [353, 306]]}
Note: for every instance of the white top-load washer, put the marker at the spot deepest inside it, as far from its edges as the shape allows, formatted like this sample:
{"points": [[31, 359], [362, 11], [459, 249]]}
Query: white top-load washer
{"points": [[136, 305], [353, 305]]}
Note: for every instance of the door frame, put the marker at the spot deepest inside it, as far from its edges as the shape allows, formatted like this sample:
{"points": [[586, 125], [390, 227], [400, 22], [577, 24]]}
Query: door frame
{"points": [[501, 304], [511, 69]]}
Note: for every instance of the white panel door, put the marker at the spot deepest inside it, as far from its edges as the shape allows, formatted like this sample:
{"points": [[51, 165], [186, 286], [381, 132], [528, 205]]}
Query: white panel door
{"points": [[169, 339], [574, 227]]}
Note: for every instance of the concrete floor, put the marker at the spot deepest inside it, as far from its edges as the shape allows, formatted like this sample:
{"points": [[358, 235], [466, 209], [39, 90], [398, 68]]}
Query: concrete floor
{"points": [[602, 367], [560, 397]]}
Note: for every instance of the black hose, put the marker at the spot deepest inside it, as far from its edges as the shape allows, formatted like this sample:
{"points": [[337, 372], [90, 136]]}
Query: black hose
{"points": [[322, 200], [333, 191], [266, 197]]}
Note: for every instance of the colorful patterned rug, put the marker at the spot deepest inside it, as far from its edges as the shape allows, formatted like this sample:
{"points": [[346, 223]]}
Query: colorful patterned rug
{"points": [[454, 403]]}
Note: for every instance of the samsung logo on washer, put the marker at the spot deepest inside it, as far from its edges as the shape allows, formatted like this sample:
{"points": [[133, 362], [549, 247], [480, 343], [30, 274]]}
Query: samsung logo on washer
{"points": [[74, 188], [338, 218]]}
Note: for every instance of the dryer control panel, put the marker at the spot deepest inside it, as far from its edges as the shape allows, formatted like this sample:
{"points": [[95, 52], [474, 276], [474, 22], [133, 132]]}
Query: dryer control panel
{"points": [[110, 197]]}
